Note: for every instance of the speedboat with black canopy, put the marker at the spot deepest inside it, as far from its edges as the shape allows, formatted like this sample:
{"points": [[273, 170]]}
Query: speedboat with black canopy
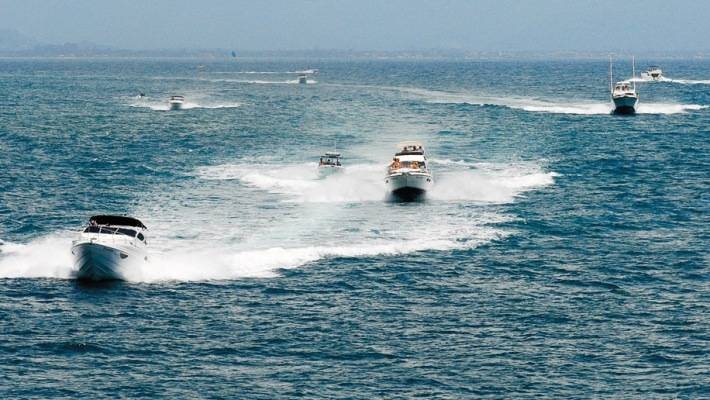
{"points": [[108, 247]]}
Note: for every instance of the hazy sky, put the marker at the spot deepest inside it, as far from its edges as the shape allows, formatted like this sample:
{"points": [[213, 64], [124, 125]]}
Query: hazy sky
{"points": [[485, 25]]}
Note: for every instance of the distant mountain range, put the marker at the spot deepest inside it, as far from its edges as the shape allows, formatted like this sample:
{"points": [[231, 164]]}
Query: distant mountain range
{"points": [[12, 40], [17, 44]]}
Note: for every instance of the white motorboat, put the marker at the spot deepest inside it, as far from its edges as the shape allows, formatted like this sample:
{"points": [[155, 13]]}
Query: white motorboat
{"points": [[176, 102], [408, 176], [653, 73], [302, 79], [623, 93], [624, 97], [108, 247], [329, 164]]}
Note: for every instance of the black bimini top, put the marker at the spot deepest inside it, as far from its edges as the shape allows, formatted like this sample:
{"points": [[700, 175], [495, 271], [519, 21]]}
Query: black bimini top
{"points": [[116, 220]]}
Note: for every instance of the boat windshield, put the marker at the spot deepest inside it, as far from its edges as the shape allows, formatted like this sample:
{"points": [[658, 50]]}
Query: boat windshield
{"points": [[397, 164], [411, 149], [109, 230], [329, 161]]}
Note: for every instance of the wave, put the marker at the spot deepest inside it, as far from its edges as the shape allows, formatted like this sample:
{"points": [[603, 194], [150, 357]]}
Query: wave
{"points": [[536, 105], [364, 182], [49, 257], [264, 82], [163, 106], [305, 71], [672, 80], [229, 235]]}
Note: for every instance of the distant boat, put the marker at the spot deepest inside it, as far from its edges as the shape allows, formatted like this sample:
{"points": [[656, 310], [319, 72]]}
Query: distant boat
{"points": [[176, 102], [653, 73], [623, 93], [302, 79], [329, 163], [234, 54]]}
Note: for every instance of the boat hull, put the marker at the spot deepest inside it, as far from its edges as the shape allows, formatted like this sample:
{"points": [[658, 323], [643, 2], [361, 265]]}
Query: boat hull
{"points": [[98, 262], [175, 105], [328, 170], [625, 105], [408, 186]]}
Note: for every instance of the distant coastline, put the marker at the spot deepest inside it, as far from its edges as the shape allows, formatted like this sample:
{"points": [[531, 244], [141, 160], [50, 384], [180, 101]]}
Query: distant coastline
{"points": [[73, 51], [14, 44]]}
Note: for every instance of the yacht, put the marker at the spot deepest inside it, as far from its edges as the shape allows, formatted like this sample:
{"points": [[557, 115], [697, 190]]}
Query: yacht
{"points": [[623, 93], [653, 73], [108, 247], [176, 102], [408, 176], [329, 163], [302, 79]]}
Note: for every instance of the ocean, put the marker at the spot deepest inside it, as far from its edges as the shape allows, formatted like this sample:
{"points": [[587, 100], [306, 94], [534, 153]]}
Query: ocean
{"points": [[562, 252]]}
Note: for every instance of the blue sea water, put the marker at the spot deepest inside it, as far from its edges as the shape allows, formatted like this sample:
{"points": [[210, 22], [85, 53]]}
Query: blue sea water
{"points": [[563, 252]]}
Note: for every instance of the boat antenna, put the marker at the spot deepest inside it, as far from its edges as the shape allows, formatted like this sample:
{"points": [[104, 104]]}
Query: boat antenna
{"points": [[611, 76], [633, 71]]}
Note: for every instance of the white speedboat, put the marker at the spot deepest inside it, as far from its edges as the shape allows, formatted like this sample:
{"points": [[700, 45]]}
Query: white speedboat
{"points": [[108, 247], [408, 176], [624, 97], [176, 102], [623, 93], [653, 73], [302, 79], [329, 164]]}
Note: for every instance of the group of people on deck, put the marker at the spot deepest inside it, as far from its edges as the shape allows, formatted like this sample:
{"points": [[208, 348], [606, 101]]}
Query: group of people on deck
{"points": [[412, 148], [397, 164], [329, 161]]}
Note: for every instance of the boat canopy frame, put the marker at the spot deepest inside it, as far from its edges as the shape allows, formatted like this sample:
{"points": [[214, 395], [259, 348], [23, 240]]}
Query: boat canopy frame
{"points": [[116, 220]]}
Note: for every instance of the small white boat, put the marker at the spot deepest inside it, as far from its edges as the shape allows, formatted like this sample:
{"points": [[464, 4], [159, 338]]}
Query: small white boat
{"points": [[623, 93], [653, 73], [624, 97], [329, 164], [408, 176], [302, 79], [108, 247], [176, 102]]}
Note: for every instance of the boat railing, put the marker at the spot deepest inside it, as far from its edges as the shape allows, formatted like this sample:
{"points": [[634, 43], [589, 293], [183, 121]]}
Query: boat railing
{"points": [[115, 232]]}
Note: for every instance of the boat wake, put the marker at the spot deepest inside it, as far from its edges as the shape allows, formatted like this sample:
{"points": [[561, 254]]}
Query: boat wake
{"points": [[163, 105], [536, 105], [253, 222], [672, 80], [478, 182], [305, 71], [262, 81]]}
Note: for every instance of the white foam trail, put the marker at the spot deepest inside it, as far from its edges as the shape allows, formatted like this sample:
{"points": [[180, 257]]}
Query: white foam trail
{"points": [[667, 108], [689, 81], [227, 235], [305, 71], [163, 106], [364, 182], [45, 257], [221, 264], [49, 257], [536, 105], [672, 80], [263, 82]]}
